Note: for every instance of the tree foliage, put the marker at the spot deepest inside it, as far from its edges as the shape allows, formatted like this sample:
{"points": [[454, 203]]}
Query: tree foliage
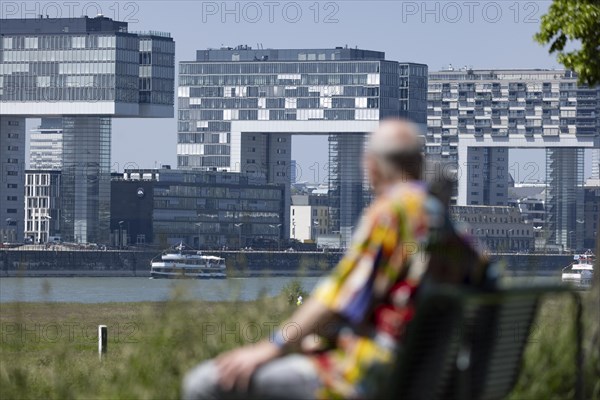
{"points": [[567, 24]]}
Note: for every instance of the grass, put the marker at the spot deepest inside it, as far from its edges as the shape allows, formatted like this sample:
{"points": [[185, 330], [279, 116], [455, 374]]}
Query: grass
{"points": [[49, 350]]}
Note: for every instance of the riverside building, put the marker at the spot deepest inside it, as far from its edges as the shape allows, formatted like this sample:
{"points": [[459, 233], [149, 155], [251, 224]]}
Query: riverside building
{"points": [[84, 71], [239, 108], [476, 116]]}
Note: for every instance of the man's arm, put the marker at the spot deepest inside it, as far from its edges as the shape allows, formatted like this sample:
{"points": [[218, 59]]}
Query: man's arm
{"points": [[237, 366], [346, 294]]}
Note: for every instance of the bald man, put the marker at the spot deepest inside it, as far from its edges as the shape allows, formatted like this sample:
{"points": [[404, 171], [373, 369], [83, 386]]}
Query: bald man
{"points": [[358, 312]]}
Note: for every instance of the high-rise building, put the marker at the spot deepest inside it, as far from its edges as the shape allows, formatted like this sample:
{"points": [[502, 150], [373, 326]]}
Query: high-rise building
{"points": [[12, 168], [239, 107], [595, 164], [45, 145], [85, 71], [476, 116]]}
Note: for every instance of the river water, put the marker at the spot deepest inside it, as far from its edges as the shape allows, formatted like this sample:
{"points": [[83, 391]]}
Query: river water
{"points": [[124, 289]]}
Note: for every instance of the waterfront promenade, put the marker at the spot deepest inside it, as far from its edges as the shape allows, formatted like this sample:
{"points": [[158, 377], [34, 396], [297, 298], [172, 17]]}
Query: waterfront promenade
{"points": [[62, 261]]}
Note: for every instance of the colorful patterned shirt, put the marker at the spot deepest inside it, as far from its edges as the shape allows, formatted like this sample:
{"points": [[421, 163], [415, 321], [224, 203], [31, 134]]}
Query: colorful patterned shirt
{"points": [[372, 289]]}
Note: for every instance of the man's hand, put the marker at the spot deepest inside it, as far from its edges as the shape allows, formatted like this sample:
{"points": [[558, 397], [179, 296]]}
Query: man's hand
{"points": [[236, 367]]}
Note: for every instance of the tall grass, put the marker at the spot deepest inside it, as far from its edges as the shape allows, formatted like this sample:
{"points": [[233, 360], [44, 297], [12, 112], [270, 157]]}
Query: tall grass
{"points": [[152, 345]]}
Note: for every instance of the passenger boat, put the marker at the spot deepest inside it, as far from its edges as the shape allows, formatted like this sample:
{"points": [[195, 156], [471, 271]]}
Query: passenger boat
{"points": [[581, 269], [187, 264]]}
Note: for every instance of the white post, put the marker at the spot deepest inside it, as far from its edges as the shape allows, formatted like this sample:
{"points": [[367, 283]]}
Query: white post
{"points": [[102, 340]]}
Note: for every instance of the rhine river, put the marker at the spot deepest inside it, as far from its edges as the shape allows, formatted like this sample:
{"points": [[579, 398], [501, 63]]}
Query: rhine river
{"points": [[120, 289], [123, 289]]}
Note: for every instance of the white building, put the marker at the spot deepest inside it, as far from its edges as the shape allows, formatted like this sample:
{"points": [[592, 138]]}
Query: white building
{"points": [[309, 217], [42, 204]]}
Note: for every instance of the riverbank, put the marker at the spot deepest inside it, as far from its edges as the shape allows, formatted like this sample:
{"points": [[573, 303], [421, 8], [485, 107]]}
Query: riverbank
{"points": [[49, 350], [120, 263]]}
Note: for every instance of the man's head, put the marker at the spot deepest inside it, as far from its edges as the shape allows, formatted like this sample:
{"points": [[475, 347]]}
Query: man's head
{"points": [[393, 154]]}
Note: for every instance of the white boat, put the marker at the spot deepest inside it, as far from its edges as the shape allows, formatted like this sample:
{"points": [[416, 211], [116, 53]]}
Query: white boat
{"points": [[581, 269], [190, 264]]}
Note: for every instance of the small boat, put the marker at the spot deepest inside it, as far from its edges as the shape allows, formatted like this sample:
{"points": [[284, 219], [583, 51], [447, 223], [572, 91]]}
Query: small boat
{"points": [[581, 270], [184, 263]]}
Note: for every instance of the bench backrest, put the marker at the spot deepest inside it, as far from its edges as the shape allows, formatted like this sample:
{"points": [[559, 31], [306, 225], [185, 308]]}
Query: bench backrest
{"points": [[464, 345]]}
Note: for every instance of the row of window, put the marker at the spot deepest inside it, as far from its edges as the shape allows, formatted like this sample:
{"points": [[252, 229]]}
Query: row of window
{"points": [[273, 80], [56, 42], [349, 67]]}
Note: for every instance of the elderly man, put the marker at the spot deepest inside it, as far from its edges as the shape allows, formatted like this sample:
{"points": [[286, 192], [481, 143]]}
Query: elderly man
{"points": [[368, 297]]}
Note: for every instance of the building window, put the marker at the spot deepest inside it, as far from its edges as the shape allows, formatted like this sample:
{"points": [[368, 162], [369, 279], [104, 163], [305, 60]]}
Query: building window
{"points": [[11, 211], [13, 123]]}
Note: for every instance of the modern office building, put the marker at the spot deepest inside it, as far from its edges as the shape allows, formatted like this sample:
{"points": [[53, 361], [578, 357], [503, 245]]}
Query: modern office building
{"points": [[476, 116], [42, 205], [239, 107], [591, 220], [595, 164], [45, 145], [204, 209], [498, 229], [85, 71], [12, 168], [132, 207]]}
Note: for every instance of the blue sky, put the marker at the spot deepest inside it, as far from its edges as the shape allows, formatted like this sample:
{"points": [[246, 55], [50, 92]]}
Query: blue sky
{"points": [[481, 34]]}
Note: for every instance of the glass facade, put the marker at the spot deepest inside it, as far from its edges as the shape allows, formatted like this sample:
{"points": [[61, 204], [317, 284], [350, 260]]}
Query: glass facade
{"points": [[45, 145], [67, 62], [214, 209], [565, 197], [86, 179]]}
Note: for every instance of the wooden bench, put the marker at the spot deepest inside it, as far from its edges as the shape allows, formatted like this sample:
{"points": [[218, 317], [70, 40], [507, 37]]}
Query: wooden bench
{"points": [[467, 344]]}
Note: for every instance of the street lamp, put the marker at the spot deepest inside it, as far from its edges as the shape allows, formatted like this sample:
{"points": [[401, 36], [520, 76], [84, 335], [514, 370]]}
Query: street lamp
{"points": [[121, 234], [198, 224], [509, 240], [572, 242], [239, 226], [314, 233], [10, 222], [277, 226], [47, 218]]}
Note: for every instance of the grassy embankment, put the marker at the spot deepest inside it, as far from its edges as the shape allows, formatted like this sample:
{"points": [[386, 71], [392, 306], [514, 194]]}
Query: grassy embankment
{"points": [[151, 345]]}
